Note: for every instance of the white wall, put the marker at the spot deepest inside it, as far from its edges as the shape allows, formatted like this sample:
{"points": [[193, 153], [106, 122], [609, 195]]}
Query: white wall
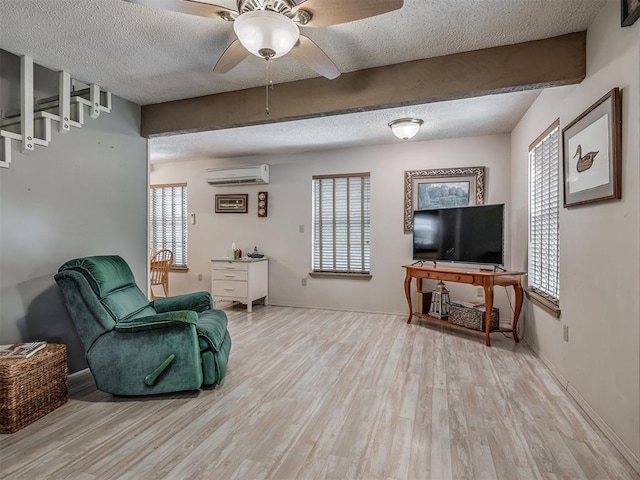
{"points": [[84, 194], [290, 206], [599, 248]]}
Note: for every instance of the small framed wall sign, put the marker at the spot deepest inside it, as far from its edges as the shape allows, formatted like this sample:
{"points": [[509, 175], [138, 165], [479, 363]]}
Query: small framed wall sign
{"points": [[592, 153], [232, 203], [263, 198]]}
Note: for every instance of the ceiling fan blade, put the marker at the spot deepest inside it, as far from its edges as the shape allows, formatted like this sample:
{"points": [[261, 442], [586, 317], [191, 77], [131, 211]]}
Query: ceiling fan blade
{"points": [[186, 6], [333, 12], [231, 57], [307, 52]]}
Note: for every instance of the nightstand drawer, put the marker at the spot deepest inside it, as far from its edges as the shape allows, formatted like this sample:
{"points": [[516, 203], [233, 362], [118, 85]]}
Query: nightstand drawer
{"points": [[229, 275], [230, 266], [229, 288]]}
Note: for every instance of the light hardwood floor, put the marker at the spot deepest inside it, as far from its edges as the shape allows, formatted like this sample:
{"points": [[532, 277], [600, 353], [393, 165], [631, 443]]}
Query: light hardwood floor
{"points": [[337, 395]]}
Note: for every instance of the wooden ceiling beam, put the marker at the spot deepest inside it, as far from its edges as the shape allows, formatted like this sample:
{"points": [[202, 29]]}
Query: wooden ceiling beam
{"points": [[524, 66]]}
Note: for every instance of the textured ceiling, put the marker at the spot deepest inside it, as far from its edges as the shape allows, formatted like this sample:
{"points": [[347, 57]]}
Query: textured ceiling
{"points": [[149, 55]]}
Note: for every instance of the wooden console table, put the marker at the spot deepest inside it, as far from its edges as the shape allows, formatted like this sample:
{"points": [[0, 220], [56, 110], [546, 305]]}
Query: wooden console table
{"points": [[482, 278]]}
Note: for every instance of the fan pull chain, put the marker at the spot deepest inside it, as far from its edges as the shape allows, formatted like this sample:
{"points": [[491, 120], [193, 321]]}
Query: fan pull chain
{"points": [[269, 84]]}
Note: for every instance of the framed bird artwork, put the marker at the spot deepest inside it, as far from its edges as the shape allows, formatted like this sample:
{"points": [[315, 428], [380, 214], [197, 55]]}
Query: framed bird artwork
{"points": [[592, 153]]}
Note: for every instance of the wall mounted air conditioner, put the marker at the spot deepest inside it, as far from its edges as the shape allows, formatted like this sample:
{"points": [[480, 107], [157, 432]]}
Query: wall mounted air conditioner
{"points": [[253, 175]]}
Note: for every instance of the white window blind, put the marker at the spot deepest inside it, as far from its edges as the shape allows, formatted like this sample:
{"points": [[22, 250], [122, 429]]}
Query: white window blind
{"points": [[168, 220], [341, 223], [544, 205]]}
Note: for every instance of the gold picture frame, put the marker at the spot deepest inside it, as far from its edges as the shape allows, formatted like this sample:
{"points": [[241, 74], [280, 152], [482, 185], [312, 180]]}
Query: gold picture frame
{"points": [[232, 203], [465, 184]]}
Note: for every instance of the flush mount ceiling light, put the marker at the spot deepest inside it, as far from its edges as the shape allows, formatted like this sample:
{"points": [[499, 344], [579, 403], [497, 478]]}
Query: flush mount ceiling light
{"points": [[266, 34], [405, 128]]}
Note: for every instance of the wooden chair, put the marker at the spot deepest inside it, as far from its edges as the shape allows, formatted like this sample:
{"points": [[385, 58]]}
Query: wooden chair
{"points": [[161, 261]]}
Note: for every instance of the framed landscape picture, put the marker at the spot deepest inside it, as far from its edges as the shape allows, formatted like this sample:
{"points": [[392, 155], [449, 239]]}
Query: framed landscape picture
{"points": [[591, 157], [441, 188], [440, 193]]}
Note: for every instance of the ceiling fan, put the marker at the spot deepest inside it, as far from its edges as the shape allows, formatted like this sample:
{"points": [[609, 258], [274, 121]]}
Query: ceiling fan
{"points": [[270, 28]]}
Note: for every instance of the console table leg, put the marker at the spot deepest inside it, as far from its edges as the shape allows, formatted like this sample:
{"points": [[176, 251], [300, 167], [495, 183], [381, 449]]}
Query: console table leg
{"points": [[407, 292], [516, 313], [488, 313]]}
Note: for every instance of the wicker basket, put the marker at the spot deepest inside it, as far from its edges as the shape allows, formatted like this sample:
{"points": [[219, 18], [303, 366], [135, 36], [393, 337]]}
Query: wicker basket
{"points": [[32, 387], [473, 317]]}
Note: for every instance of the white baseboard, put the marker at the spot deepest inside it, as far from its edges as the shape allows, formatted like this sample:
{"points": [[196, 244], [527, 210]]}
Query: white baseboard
{"points": [[545, 361], [606, 429], [608, 432]]}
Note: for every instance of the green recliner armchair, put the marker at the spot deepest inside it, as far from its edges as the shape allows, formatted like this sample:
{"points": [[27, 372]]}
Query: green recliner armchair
{"points": [[137, 347]]}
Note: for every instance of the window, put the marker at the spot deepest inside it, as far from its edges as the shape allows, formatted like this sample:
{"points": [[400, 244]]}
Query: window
{"points": [[168, 221], [544, 238], [341, 224]]}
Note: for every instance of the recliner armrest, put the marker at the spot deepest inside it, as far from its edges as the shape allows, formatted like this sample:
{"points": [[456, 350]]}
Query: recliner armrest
{"points": [[197, 301], [161, 320]]}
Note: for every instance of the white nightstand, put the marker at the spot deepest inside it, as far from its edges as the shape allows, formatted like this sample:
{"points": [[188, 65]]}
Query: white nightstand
{"points": [[242, 280]]}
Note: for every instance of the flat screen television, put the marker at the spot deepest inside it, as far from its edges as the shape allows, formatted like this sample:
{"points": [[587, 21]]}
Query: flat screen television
{"points": [[460, 234]]}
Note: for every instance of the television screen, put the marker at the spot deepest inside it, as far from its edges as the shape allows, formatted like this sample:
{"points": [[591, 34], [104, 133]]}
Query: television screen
{"points": [[460, 234]]}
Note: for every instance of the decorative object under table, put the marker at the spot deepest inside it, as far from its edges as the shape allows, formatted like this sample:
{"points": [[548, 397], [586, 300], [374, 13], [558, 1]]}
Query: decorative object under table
{"points": [[473, 317], [32, 387]]}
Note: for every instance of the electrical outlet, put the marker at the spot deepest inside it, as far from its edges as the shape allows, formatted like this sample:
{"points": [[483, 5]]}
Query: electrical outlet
{"points": [[565, 332], [303, 282], [300, 228], [199, 276], [480, 292]]}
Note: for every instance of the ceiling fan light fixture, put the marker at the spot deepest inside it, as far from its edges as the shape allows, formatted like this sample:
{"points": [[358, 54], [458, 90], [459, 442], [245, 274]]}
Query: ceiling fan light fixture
{"points": [[405, 128], [266, 34]]}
